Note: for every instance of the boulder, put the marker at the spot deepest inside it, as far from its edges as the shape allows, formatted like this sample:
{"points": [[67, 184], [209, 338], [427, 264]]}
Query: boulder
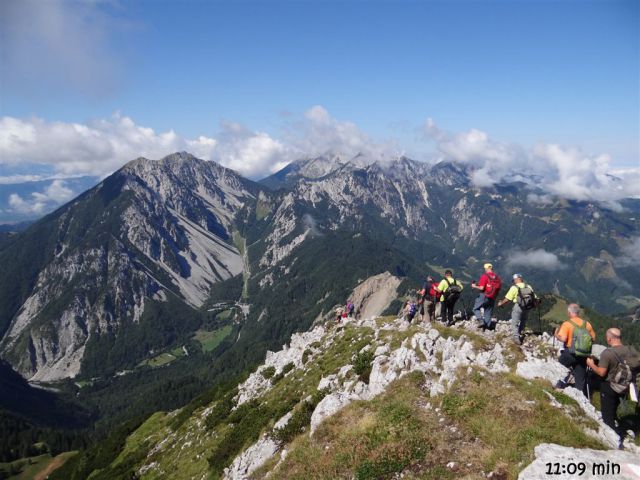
{"points": [[598, 464], [251, 459]]}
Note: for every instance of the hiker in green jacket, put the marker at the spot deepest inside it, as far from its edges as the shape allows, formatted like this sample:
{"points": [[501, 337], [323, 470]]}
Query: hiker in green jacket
{"points": [[524, 299], [451, 289]]}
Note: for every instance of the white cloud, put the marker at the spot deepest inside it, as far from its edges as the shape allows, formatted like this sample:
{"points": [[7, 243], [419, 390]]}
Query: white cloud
{"points": [[62, 43], [97, 148], [544, 199], [39, 202], [538, 259], [567, 172], [630, 254], [101, 146], [253, 154], [319, 133], [15, 179]]}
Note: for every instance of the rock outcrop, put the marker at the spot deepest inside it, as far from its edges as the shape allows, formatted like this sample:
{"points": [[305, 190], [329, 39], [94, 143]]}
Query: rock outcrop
{"points": [[440, 358], [565, 463], [375, 294]]}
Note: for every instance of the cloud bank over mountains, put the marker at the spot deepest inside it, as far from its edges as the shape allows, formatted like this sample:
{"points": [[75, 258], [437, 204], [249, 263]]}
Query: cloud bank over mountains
{"points": [[567, 172], [101, 146], [39, 203], [537, 258]]}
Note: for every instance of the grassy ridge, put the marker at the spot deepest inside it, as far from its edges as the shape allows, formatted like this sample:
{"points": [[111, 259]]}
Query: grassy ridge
{"points": [[403, 430]]}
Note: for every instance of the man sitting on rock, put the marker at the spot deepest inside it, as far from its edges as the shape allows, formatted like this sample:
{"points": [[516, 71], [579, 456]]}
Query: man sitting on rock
{"points": [[578, 336], [615, 385]]}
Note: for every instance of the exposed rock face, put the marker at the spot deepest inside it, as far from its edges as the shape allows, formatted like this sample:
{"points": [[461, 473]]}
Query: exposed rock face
{"points": [[375, 294], [332, 403], [251, 459], [257, 384], [420, 352], [152, 229], [158, 230], [598, 463]]}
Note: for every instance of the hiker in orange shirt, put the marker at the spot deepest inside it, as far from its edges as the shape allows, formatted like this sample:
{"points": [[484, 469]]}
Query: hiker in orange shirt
{"points": [[578, 337]]}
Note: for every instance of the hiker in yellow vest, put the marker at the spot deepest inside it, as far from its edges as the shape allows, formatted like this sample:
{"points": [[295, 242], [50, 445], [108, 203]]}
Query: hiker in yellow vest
{"points": [[524, 299], [451, 289]]}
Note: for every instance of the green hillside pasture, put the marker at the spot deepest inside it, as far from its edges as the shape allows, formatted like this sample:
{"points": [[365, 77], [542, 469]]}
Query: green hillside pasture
{"points": [[210, 340], [164, 358]]}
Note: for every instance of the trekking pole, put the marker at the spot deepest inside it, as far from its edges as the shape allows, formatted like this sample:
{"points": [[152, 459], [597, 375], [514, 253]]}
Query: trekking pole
{"points": [[464, 311]]}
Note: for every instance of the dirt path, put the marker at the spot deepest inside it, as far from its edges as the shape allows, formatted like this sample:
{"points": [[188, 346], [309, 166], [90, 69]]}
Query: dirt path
{"points": [[57, 462]]}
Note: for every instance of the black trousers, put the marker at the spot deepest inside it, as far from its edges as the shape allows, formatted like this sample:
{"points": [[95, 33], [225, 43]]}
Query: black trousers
{"points": [[579, 366], [609, 401], [447, 311]]}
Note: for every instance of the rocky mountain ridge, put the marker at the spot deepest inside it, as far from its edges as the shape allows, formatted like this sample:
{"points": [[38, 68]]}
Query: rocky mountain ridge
{"points": [[151, 231], [160, 233], [335, 401]]}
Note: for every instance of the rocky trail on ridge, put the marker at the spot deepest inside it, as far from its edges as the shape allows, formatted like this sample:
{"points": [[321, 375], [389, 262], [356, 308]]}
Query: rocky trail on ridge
{"points": [[326, 361]]}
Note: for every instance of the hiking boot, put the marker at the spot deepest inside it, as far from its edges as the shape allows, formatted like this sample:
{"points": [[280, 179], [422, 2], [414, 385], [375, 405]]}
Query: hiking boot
{"points": [[560, 385], [491, 327]]}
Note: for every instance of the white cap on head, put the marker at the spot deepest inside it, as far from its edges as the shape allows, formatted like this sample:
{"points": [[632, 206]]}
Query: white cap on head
{"points": [[516, 276]]}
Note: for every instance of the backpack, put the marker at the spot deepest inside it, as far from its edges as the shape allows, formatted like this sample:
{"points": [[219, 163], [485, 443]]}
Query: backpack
{"points": [[621, 375], [350, 308], [413, 308], [526, 298], [582, 341], [493, 286], [453, 291]]}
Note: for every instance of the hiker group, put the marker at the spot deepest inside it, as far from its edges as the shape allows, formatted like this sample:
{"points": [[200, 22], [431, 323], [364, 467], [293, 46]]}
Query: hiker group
{"points": [[439, 299], [347, 311], [614, 373]]}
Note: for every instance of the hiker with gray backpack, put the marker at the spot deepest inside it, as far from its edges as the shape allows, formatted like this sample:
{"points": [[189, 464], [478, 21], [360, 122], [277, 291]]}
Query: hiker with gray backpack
{"points": [[618, 366], [524, 299], [578, 337]]}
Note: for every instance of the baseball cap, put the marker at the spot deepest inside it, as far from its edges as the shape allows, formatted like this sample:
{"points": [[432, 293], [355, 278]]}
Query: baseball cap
{"points": [[488, 265], [516, 276]]}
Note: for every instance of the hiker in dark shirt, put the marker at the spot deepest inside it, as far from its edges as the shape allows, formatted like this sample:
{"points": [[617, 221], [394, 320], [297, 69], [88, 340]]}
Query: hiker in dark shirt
{"points": [[606, 368], [429, 300]]}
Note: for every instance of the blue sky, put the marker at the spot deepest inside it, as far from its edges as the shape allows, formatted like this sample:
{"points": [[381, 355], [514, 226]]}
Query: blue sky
{"points": [[87, 85]]}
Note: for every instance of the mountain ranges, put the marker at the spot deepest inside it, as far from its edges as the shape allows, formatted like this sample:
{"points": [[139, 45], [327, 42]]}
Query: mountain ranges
{"points": [[174, 275]]}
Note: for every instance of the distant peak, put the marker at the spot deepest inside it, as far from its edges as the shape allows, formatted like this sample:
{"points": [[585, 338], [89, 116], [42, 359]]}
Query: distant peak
{"points": [[180, 157]]}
